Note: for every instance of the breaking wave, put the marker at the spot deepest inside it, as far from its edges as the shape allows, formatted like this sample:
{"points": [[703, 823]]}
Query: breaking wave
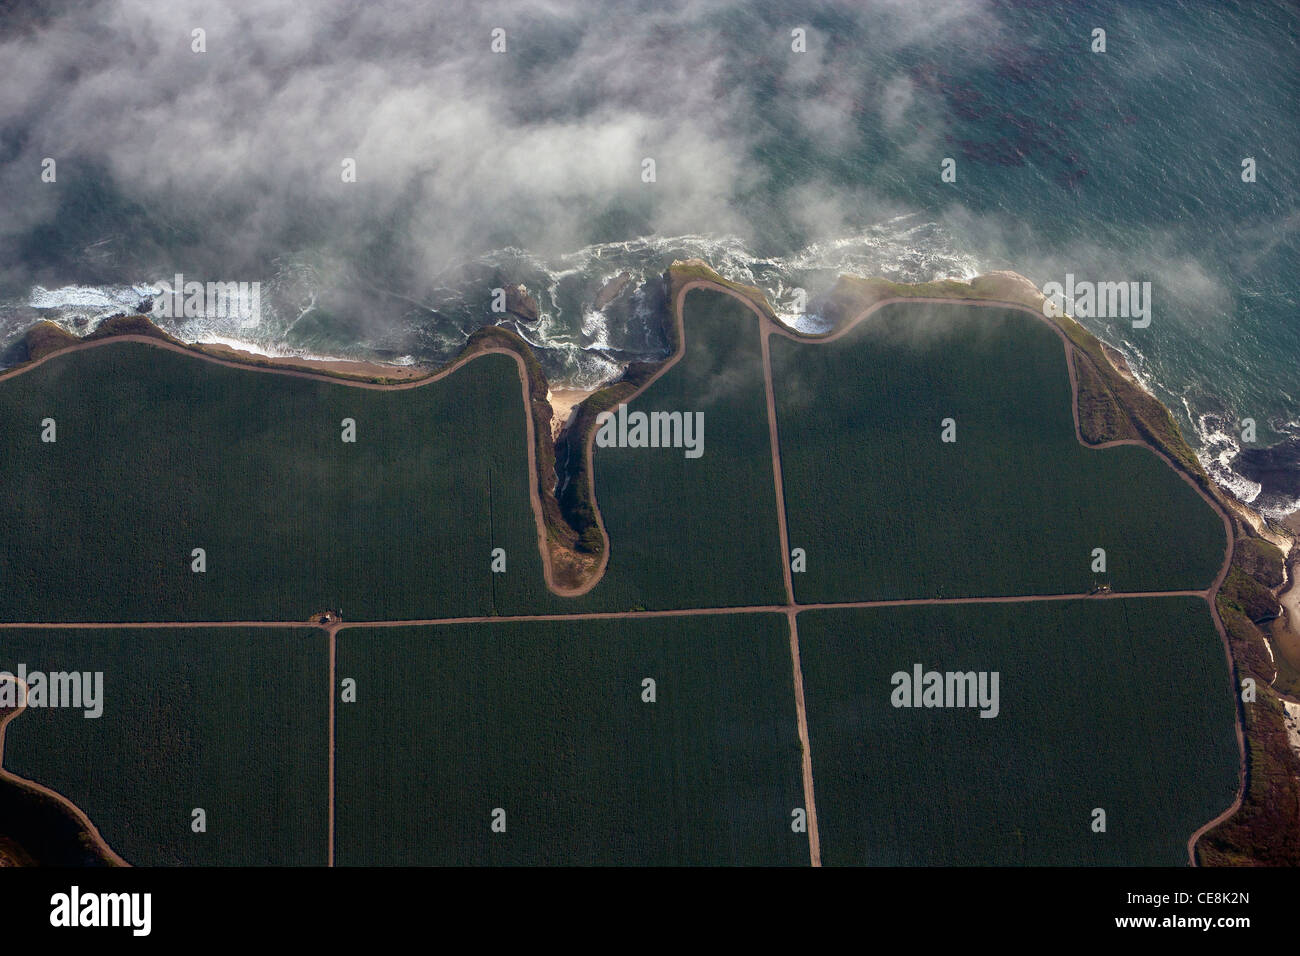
{"points": [[597, 309]]}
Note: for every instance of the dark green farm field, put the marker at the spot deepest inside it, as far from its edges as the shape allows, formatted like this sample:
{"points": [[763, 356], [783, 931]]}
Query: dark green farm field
{"points": [[546, 721], [696, 532], [1119, 704], [885, 509], [233, 721], [158, 453]]}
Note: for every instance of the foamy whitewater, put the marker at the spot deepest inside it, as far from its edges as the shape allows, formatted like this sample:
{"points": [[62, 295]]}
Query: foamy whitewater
{"points": [[582, 346]]}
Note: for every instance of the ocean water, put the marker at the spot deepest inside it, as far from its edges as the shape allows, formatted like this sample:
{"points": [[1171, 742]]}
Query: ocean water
{"points": [[781, 169]]}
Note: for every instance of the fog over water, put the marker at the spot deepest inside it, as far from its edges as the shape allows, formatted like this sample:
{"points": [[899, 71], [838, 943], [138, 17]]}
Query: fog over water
{"points": [[478, 169]]}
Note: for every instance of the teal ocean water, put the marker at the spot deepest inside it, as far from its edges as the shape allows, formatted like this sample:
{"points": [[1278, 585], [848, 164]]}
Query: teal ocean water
{"points": [[479, 170]]}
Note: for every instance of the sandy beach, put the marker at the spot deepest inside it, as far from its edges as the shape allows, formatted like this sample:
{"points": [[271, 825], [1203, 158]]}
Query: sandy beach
{"points": [[563, 402], [1290, 601], [339, 366]]}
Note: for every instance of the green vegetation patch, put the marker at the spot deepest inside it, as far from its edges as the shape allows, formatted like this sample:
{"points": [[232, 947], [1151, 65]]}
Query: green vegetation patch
{"points": [[1263, 831], [1120, 704], [886, 509], [546, 721], [1261, 559], [232, 721], [158, 454]]}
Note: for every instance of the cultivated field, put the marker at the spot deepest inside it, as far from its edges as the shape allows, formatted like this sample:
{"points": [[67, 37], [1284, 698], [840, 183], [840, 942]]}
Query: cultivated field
{"points": [[1015, 505], [546, 721], [1119, 705], [158, 454], [232, 721]]}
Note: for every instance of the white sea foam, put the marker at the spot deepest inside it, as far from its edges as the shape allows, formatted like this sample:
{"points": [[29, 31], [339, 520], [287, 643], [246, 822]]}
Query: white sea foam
{"points": [[268, 352], [809, 323], [906, 248], [595, 326], [1218, 447], [1137, 365], [97, 299]]}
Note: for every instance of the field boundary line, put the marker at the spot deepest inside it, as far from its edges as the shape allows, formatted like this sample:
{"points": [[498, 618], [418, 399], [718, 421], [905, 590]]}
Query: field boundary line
{"points": [[590, 615], [333, 641], [801, 722]]}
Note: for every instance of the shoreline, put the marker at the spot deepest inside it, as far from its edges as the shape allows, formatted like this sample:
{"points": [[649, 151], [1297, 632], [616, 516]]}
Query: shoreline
{"points": [[1287, 630], [336, 366], [565, 399], [567, 402], [1289, 597]]}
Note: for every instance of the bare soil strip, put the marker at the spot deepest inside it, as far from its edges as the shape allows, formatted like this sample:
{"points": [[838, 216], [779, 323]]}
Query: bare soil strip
{"points": [[593, 615], [801, 717], [776, 459], [800, 707], [333, 631]]}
